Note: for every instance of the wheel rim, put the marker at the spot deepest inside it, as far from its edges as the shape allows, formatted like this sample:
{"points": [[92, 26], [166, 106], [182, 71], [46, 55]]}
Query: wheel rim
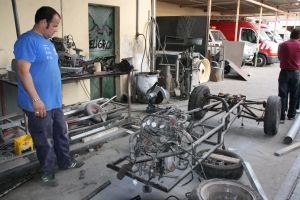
{"points": [[259, 61], [224, 189]]}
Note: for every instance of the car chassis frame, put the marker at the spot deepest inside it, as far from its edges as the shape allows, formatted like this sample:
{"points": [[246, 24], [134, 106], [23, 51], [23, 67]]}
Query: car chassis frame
{"points": [[229, 107]]}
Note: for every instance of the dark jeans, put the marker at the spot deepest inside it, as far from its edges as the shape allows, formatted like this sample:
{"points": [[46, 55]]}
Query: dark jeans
{"points": [[288, 90], [50, 139]]}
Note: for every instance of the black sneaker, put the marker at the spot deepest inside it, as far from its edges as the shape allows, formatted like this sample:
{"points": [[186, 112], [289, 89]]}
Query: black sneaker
{"points": [[291, 118], [75, 164], [49, 180]]}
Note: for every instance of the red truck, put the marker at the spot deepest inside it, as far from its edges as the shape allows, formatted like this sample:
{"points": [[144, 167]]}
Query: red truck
{"points": [[247, 32]]}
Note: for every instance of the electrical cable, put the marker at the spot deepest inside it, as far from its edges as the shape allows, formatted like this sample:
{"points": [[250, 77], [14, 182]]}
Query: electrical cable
{"points": [[188, 180], [172, 196], [150, 39], [84, 89], [145, 47]]}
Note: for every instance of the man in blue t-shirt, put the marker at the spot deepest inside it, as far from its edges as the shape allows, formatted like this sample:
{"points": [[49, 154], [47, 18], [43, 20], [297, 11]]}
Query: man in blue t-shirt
{"points": [[39, 94]]}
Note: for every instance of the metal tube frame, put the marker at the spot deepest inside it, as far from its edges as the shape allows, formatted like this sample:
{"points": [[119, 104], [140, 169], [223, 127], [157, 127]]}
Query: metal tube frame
{"points": [[220, 130]]}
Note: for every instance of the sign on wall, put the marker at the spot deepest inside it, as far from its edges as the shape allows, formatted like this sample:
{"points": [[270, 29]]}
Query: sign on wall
{"points": [[101, 31], [101, 44]]}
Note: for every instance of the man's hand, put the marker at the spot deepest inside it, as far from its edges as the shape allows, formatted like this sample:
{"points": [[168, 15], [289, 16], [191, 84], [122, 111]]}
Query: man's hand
{"points": [[23, 68], [39, 109]]}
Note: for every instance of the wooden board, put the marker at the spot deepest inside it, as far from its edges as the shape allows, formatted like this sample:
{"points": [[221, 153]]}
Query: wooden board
{"points": [[224, 158], [287, 149]]}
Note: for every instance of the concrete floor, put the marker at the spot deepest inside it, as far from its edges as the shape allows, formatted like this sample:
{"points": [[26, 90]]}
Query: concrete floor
{"points": [[249, 141]]}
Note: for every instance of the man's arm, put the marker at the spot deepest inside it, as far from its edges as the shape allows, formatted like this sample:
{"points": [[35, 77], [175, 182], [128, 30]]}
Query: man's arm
{"points": [[23, 68]]}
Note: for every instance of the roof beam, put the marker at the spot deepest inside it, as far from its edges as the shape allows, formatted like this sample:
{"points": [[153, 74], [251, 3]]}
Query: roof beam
{"points": [[266, 6]]}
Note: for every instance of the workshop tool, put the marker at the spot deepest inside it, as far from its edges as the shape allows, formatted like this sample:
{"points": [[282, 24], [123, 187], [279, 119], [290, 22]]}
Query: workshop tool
{"points": [[99, 189], [23, 144]]}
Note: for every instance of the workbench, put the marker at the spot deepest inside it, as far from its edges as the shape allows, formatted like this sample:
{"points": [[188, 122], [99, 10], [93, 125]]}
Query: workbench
{"points": [[8, 89]]}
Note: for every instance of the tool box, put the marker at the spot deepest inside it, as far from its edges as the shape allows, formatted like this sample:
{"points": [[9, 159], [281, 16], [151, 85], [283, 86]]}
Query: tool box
{"points": [[23, 144]]}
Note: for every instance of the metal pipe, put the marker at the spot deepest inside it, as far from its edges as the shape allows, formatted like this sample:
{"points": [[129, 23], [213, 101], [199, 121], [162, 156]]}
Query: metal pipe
{"points": [[153, 35], [295, 21], [253, 179], [97, 190], [292, 131], [177, 71], [275, 25], [258, 36], [108, 101], [94, 115], [17, 24], [132, 145], [209, 2], [207, 118], [203, 108], [286, 23], [137, 19], [237, 20], [266, 6], [130, 74]]}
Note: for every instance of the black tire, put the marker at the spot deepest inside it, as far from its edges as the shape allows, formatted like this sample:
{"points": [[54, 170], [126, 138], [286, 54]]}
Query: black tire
{"points": [[272, 115], [198, 100], [227, 68], [261, 60], [223, 189], [243, 64], [213, 168]]}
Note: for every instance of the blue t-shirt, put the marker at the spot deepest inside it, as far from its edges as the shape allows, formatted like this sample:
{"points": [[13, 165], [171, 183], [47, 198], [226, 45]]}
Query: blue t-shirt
{"points": [[41, 53]]}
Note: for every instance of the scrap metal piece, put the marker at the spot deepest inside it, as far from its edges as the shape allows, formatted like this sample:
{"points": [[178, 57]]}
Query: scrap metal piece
{"points": [[290, 182], [99, 189], [223, 189], [243, 74], [254, 180], [292, 131]]}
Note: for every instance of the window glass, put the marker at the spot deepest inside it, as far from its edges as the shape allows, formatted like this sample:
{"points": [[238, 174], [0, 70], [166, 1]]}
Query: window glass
{"points": [[263, 35], [218, 35], [248, 35]]}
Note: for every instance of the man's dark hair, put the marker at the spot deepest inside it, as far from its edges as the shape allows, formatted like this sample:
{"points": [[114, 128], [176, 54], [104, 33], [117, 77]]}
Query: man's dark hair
{"points": [[45, 12], [295, 34]]}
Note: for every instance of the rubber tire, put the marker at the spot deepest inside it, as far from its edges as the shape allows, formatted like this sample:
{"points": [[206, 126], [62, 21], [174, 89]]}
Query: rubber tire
{"points": [[196, 192], [261, 60], [272, 115], [197, 100], [227, 68], [232, 171]]}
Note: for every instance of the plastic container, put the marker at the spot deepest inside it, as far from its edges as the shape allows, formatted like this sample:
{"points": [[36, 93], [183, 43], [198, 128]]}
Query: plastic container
{"points": [[23, 144]]}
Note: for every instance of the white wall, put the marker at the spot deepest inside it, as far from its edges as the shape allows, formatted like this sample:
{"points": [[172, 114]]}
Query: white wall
{"points": [[168, 9], [75, 22]]}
